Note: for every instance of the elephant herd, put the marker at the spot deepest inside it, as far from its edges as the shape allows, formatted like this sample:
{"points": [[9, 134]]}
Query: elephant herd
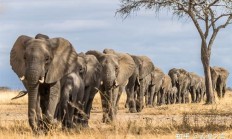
{"points": [[61, 83]]}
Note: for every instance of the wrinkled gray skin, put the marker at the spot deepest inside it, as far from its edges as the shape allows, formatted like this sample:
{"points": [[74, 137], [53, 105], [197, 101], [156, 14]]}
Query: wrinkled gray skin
{"points": [[219, 77], [180, 79], [195, 87], [91, 75], [154, 88], [165, 90], [41, 63], [116, 71]]}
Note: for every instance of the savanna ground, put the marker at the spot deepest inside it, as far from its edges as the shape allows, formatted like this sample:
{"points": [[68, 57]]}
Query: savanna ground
{"points": [[168, 121]]}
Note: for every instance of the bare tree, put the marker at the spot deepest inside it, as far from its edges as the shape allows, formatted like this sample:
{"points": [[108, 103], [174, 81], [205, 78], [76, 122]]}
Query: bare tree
{"points": [[208, 16]]}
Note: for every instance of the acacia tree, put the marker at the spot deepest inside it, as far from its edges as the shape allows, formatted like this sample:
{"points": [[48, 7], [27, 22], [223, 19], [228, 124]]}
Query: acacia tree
{"points": [[208, 16]]}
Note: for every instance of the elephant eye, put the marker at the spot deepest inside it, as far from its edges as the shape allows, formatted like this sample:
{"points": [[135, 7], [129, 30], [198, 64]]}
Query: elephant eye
{"points": [[47, 58]]}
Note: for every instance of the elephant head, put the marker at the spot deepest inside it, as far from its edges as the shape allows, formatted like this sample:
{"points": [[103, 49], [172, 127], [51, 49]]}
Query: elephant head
{"points": [[39, 61], [174, 75]]}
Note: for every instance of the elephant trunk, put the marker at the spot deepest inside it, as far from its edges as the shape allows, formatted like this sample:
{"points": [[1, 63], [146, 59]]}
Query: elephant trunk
{"points": [[109, 79], [33, 77], [32, 99]]}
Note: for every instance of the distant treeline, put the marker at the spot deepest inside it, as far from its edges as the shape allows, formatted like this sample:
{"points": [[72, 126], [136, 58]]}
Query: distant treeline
{"points": [[4, 88]]}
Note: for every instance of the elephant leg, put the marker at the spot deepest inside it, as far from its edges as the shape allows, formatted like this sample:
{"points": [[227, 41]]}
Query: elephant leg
{"points": [[223, 91], [131, 98], [39, 114], [88, 99], [183, 97], [194, 97], [141, 93], [152, 96], [179, 99], [118, 96], [168, 98], [105, 106], [113, 94], [154, 99], [220, 90], [64, 107], [89, 106], [54, 97]]}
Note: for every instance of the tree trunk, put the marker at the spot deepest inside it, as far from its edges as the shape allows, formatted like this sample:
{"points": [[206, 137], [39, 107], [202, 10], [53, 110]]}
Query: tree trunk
{"points": [[205, 58]]}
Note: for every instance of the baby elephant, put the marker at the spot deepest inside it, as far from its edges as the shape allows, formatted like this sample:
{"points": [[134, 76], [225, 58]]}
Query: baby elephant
{"points": [[71, 102]]}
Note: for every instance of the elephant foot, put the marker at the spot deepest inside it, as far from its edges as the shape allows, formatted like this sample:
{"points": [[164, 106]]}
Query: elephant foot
{"points": [[132, 110]]}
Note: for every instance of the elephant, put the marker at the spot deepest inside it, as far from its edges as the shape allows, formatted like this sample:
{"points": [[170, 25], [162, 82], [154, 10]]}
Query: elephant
{"points": [[72, 94], [165, 90], [172, 95], [219, 77], [141, 81], [146, 67], [91, 75], [181, 79], [201, 91], [41, 63], [116, 71], [132, 82], [154, 88], [195, 87]]}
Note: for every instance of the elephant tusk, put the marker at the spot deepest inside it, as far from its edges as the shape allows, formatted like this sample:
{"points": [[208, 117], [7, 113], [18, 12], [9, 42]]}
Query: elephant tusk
{"points": [[101, 82], [22, 78], [42, 80], [116, 83]]}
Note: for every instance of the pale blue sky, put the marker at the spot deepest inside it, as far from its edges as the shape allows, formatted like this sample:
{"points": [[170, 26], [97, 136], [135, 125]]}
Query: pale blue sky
{"points": [[92, 24]]}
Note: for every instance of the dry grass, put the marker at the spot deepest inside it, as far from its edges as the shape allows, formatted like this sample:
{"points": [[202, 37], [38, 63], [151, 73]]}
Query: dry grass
{"points": [[159, 122]]}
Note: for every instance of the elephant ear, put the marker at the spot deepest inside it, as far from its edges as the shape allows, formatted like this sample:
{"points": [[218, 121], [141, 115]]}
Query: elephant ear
{"points": [[64, 59], [17, 55], [146, 68], [126, 68]]}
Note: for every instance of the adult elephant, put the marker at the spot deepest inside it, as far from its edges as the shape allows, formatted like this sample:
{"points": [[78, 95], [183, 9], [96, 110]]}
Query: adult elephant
{"points": [[195, 87], [154, 88], [116, 71], [145, 68], [132, 81], [181, 79], [41, 64], [219, 77], [165, 90], [91, 74]]}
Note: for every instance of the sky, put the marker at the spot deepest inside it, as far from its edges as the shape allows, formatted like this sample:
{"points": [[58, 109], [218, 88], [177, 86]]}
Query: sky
{"points": [[93, 25]]}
